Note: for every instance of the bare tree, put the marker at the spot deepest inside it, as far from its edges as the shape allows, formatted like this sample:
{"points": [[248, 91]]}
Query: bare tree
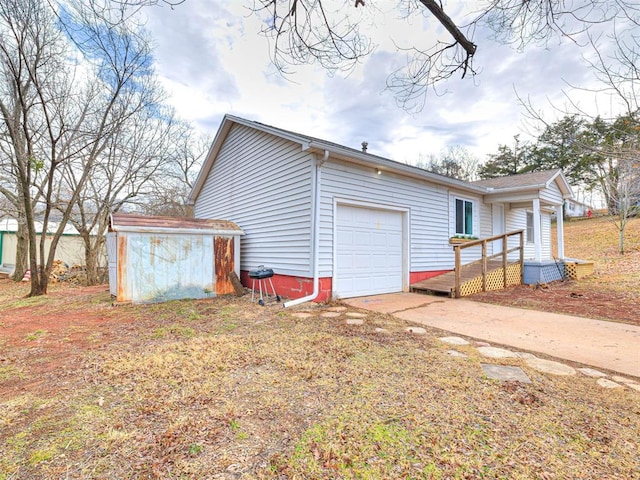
{"points": [[330, 33], [619, 171], [168, 192], [135, 154], [306, 31], [611, 142], [57, 113], [454, 161]]}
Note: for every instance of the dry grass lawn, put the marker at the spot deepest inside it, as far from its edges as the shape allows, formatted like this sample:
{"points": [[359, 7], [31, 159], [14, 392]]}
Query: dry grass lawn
{"points": [[612, 293], [226, 389]]}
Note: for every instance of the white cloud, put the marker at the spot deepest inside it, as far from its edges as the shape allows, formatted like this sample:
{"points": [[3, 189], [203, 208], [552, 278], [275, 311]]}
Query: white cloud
{"points": [[213, 61]]}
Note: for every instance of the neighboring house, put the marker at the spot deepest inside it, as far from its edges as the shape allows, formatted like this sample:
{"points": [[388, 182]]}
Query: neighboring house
{"points": [[336, 222], [70, 248], [576, 209]]}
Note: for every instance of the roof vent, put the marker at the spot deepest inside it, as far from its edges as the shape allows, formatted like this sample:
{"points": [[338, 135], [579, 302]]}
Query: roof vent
{"points": [[365, 144]]}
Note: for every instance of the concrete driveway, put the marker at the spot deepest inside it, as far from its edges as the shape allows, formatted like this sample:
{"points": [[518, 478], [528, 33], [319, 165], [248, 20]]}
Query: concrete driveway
{"points": [[606, 345]]}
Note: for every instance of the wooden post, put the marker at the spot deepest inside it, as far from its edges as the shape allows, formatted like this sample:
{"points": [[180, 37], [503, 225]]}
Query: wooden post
{"points": [[521, 257], [237, 285], [484, 266], [456, 249], [505, 260], [559, 228]]}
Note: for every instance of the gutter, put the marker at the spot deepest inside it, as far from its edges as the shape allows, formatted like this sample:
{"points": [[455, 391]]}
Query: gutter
{"points": [[394, 166], [316, 239]]}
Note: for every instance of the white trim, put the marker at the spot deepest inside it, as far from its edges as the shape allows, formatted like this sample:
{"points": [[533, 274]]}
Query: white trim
{"points": [[537, 230], [475, 214], [406, 235], [181, 231]]}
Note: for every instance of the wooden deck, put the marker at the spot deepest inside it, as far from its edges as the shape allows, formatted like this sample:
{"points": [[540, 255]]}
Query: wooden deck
{"points": [[445, 284]]}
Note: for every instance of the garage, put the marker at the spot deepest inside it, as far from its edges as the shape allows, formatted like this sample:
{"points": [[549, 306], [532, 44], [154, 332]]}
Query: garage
{"points": [[369, 250]]}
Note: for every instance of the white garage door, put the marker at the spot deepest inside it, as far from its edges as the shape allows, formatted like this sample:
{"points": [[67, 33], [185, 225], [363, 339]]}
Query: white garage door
{"points": [[368, 251]]}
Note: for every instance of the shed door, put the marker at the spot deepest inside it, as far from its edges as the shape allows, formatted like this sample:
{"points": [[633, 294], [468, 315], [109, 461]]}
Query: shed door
{"points": [[368, 251], [112, 259]]}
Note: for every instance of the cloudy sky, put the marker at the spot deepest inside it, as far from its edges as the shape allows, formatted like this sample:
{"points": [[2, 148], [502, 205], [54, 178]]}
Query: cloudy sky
{"points": [[212, 61]]}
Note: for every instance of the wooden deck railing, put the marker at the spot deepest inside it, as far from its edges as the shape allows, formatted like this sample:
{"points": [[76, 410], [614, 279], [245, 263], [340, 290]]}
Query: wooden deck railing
{"points": [[504, 254]]}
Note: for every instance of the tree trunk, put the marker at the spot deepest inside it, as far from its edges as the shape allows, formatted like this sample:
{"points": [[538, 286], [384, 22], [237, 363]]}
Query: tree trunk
{"points": [[39, 278], [92, 252], [621, 239], [22, 252], [91, 264]]}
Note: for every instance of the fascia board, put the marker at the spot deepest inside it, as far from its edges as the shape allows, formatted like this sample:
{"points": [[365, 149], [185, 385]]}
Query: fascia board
{"points": [[395, 167], [179, 231], [221, 134]]}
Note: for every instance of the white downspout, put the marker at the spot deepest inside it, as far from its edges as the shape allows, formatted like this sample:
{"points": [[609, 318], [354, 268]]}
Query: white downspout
{"points": [[316, 239]]}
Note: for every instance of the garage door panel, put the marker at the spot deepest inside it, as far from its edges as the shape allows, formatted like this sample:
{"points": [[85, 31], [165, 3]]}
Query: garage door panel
{"points": [[362, 237], [362, 261], [369, 251]]}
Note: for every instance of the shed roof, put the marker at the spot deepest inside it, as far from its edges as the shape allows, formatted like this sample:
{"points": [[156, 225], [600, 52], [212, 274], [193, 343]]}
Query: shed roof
{"points": [[141, 223]]}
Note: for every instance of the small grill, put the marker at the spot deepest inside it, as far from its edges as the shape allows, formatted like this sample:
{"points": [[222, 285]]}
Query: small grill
{"points": [[262, 274]]}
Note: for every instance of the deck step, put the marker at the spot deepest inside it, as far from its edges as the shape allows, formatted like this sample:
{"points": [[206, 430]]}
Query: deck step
{"points": [[470, 278]]}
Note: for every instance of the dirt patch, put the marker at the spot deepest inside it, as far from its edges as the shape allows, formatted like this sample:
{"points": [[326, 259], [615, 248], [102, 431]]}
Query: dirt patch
{"points": [[570, 297], [611, 293]]}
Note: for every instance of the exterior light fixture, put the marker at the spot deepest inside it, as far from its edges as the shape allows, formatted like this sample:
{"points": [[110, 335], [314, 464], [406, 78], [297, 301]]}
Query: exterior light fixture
{"points": [[379, 172]]}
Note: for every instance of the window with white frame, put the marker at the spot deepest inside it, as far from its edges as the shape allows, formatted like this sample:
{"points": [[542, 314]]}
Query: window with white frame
{"points": [[464, 217], [530, 227]]}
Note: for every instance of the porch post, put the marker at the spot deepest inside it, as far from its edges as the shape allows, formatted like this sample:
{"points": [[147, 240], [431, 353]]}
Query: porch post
{"points": [[537, 231], [560, 228]]}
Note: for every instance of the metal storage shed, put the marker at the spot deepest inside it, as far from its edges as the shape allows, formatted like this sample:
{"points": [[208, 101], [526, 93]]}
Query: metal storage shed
{"points": [[155, 259]]}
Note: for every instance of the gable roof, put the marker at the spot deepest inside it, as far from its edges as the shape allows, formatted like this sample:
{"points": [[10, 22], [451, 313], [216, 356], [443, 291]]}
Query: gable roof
{"points": [[314, 144], [522, 180]]}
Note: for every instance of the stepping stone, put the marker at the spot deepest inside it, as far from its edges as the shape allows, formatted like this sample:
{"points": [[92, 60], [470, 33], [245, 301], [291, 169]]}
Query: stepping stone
{"points": [[504, 373], [634, 386], [416, 330], [525, 355], [337, 309], [495, 352], [590, 372], [330, 314], [454, 340], [455, 353], [354, 321], [549, 366], [381, 330], [617, 378], [302, 315], [356, 315], [606, 383]]}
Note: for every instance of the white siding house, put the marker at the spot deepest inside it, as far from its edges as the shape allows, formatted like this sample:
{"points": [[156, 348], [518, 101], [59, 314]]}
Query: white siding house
{"points": [[335, 222], [70, 248]]}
